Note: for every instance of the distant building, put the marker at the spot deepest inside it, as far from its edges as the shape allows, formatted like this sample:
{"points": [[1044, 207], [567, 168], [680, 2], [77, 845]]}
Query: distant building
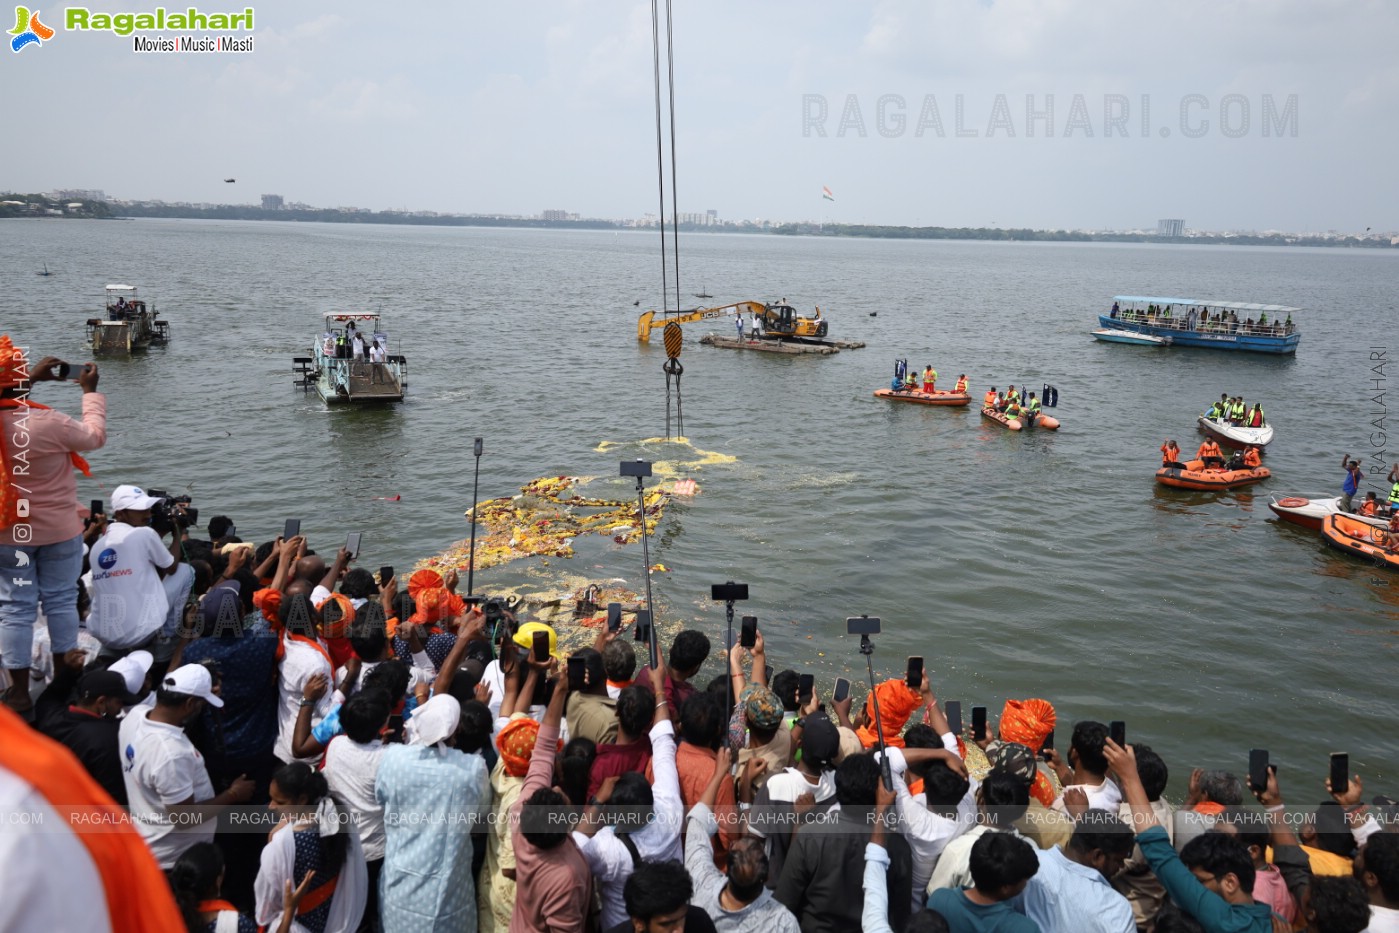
{"points": [[711, 218], [1170, 228], [555, 215], [79, 194], [272, 202]]}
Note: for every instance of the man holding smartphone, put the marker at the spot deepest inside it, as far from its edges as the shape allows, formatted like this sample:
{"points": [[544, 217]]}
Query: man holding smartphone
{"points": [[41, 549]]}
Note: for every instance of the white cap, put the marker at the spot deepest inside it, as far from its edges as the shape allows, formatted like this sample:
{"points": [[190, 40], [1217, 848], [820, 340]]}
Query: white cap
{"points": [[133, 668], [131, 497], [192, 680], [433, 721]]}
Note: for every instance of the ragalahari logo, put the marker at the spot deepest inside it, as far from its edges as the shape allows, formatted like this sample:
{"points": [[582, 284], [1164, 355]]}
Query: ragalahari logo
{"points": [[28, 30]]}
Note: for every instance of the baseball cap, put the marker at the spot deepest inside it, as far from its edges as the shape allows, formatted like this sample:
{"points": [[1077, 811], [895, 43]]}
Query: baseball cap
{"points": [[132, 497], [761, 707], [192, 680], [820, 738], [133, 669], [106, 683], [525, 638], [221, 604]]}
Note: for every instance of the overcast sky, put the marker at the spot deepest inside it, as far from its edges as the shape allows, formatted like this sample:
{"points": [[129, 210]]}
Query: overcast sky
{"points": [[522, 107]]}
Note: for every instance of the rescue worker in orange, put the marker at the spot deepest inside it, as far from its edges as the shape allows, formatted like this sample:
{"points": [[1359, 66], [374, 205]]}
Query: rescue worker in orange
{"points": [[930, 378], [1252, 459], [1210, 453], [989, 399], [962, 384], [1170, 455]]}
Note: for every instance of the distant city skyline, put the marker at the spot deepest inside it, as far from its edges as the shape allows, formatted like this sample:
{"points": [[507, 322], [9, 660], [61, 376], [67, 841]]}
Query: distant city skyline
{"points": [[960, 113]]}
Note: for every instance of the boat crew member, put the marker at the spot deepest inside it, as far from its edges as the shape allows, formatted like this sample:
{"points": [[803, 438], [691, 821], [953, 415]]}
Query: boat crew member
{"points": [[1252, 459], [989, 399], [738, 324], [1210, 453], [1170, 456], [930, 378], [1114, 310], [357, 346], [1391, 538], [1255, 417], [911, 382], [1370, 507], [1012, 408], [962, 384], [1354, 477], [1394, 490], [376, 352], [1032, 408]]}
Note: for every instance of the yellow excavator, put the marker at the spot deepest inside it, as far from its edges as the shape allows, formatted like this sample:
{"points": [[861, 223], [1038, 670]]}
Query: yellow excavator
{"points": [[779, 320]]}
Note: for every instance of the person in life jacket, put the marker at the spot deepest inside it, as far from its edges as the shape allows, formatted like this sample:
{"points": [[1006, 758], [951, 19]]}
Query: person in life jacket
{"points": [[1210, 453], [1170, 455], [1236, 414], [989, 399], [1032, 408], [1370, 507], [1012, 395], [1255, 417], [1394, 489], [930, 378], [1252, 459], [911, 382], [1216, 412], [962, 384], [1012, 409]]}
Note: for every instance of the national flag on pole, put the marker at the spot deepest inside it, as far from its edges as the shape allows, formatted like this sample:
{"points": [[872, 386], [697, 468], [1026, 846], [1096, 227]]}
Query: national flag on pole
{"points": [[826, 193]]}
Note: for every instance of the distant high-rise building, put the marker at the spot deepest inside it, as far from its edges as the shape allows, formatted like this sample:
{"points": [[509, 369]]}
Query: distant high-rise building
{"points": [[555, 215], [1170, 227], [272, 202]]}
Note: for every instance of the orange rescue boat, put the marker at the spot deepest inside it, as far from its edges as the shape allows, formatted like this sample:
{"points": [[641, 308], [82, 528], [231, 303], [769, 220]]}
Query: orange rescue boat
{"points": [[939, 397], [1047, 422], [1195, 476], [1350, 534]]}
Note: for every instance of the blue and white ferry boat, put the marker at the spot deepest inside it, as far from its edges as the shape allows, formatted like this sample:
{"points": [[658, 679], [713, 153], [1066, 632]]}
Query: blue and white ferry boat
{"points": [[1197, 322]]}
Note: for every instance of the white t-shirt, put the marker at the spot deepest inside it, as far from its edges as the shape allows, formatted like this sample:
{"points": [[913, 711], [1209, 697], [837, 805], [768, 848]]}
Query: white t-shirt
{"points": [[51, 882], [300, 664], [161, 767], [350, 769], [376, 354], [129, 604]]}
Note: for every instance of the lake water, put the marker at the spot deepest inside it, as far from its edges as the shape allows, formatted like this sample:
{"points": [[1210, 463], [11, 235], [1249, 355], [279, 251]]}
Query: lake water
{"points": [[1036, 564]]}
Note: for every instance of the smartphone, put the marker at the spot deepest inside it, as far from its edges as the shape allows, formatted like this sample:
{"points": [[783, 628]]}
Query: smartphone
{"points": [[842, 690], [643, 625], [96, 507], [577, 669], [1117, 731], [748, 636], [352, 544], [806, 685], [385, 574], [914, 676], [541, 646], [62, 370], [952, 709], [1048, 745], [862, 625], [614, 616], [1258, 768], [478, 446], [725, 592], [978, 722], [291, 529], [1340, 772]]}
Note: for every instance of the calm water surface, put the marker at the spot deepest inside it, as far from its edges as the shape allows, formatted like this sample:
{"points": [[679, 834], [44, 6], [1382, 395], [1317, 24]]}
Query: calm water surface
{"points": [[1044, 564]]}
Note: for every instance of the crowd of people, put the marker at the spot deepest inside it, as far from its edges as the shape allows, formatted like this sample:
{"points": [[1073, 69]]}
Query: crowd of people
{"points": [[270, 739], [1211, 457], [1222, 321], [1011, 404], [909, 381], [1232, 410]]}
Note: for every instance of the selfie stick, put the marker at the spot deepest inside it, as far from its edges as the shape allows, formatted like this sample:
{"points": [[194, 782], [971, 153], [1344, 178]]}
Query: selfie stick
{"points": [[642, 469], [867, 649], [475, 484]]}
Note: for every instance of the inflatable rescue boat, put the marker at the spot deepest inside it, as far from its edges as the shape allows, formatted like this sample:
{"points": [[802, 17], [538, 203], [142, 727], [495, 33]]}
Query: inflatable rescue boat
{"points": [[1195, 476], [1311, 513], [1236, 435], [1047, 422], [940, 397], [1350, 534]]}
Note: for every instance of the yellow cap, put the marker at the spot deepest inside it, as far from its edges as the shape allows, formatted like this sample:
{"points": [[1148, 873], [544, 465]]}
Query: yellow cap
{"points": [[525, 637]]}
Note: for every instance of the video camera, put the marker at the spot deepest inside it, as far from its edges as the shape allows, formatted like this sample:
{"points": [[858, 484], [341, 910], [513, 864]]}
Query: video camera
{"points": [[167, 514]]}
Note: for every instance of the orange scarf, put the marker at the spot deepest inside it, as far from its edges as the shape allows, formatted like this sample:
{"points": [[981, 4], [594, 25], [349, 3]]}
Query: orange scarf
{"points": [[9, 495], [137, 894]]}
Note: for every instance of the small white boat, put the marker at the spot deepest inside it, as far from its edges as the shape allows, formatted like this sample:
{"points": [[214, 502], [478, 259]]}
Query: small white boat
{"points": [[1311, 513], [1132, 337], [339, 375], [1236, 435]]}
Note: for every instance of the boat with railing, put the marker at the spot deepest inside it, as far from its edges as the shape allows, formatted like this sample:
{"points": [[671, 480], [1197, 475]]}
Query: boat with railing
{"points": [[1195, 322], [351, 362], [127, 323]]}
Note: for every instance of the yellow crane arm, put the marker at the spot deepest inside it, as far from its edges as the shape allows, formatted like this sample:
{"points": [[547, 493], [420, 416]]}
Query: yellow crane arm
{"points": [[650, 321]]}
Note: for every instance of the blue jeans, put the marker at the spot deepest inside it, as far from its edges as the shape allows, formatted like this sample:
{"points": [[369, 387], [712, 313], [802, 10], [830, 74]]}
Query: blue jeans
{"points": [[34, 574]]}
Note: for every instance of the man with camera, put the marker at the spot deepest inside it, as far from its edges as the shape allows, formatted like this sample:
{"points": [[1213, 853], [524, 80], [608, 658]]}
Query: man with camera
{"points": [[129, 603], [41, 548]]}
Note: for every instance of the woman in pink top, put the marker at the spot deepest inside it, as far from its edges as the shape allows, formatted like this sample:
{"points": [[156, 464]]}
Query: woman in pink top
{"points": [[41, 548]]}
